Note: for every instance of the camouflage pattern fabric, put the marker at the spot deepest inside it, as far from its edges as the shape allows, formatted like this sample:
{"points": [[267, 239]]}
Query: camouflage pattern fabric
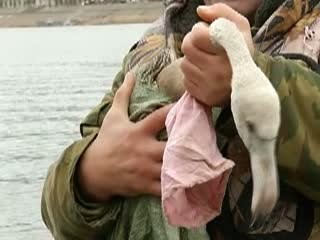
{"points": [[69, 216]]}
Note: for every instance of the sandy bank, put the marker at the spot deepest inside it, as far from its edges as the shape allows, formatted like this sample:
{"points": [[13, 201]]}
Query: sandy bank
{"points": [[82, 15]]}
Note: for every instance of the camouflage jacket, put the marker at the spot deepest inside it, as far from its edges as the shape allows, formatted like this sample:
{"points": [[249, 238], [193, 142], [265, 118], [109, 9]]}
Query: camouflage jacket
{"points": [[287, 51]]}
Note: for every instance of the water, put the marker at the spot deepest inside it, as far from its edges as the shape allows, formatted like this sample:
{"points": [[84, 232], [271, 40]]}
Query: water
{"points": [[50, 78]]}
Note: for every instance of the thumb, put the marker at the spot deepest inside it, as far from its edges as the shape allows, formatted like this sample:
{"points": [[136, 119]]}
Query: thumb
{"points": [[122, 96], [221, 10], [218, 10]]}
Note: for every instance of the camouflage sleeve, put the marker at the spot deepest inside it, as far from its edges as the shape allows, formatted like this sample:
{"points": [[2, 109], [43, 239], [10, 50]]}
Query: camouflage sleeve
{"points": [[63, 210], [298, 147]]}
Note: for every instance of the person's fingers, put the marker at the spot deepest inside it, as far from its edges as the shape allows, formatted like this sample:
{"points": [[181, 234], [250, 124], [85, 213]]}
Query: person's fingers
{"points": [[198, 56], [192, 73], [191, 88], [155, 121], [219, 10], [199, 37], [122, 96]]}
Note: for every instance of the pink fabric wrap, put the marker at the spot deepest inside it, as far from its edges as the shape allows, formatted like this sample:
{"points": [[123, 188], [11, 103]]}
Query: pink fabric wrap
{"points": [[194, 173]]}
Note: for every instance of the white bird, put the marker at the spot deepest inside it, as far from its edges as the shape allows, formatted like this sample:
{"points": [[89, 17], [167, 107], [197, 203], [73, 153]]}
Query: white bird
{"points": [[255, 107]]}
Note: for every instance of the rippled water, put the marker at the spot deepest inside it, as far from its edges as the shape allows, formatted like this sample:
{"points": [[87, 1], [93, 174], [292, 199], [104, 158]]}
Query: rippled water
{"points": [[49, 80]]}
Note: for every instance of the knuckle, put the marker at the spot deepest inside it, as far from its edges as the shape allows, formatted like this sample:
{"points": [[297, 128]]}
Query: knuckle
{"points": [[190, 75], [200, 32], [189, 88], [131, 169], [184, 66], [197, 29], [187, 44], [144, 171]]}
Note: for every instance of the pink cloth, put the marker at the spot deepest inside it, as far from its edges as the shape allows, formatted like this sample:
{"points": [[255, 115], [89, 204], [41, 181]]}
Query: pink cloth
{"points": [[194, 173]]}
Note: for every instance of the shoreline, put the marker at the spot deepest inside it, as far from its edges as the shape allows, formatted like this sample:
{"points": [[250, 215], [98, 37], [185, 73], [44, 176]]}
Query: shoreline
{"points": [[119, 13]]}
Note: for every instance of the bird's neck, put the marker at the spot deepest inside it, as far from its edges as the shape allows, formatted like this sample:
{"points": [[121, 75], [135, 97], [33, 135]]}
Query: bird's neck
{"points": [[240, 59]]}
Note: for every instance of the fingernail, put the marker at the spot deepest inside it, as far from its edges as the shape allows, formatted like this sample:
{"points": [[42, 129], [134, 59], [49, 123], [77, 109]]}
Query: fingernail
{"points": [[202, 8]]}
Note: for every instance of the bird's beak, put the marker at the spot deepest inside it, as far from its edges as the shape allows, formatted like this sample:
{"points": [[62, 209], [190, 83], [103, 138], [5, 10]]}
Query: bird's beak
{"points": [[265, 180]]}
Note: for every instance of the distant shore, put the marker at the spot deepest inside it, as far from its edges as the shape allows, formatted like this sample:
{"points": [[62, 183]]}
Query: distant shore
{"points": [[82, 15]]}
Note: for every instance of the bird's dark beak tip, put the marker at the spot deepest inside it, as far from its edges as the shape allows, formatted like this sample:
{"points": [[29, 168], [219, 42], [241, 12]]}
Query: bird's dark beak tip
{"points": [[256, 222]]}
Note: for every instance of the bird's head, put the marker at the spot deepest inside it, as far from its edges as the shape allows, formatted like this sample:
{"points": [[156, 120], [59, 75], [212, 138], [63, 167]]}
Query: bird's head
{"points": [[258, 126]]}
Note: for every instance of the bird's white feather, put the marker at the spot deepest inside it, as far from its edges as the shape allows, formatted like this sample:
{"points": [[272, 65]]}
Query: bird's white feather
{"points": [[255, 107]]}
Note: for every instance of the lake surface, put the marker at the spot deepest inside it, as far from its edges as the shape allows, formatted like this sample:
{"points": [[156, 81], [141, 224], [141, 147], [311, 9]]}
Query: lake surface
{"points": [[50, 78]]}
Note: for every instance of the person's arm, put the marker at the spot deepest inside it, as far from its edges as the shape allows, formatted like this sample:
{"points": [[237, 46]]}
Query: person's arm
{"points": [[64, 211], [298, 147], [111, 159]]}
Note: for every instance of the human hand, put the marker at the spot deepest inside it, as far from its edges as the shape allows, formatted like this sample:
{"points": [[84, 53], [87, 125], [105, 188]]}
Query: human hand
{"points": [[125, 158], [206, 67]]}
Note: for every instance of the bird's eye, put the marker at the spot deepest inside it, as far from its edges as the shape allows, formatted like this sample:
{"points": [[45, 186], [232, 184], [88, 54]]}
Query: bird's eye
{"points": [[251, 126]]}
